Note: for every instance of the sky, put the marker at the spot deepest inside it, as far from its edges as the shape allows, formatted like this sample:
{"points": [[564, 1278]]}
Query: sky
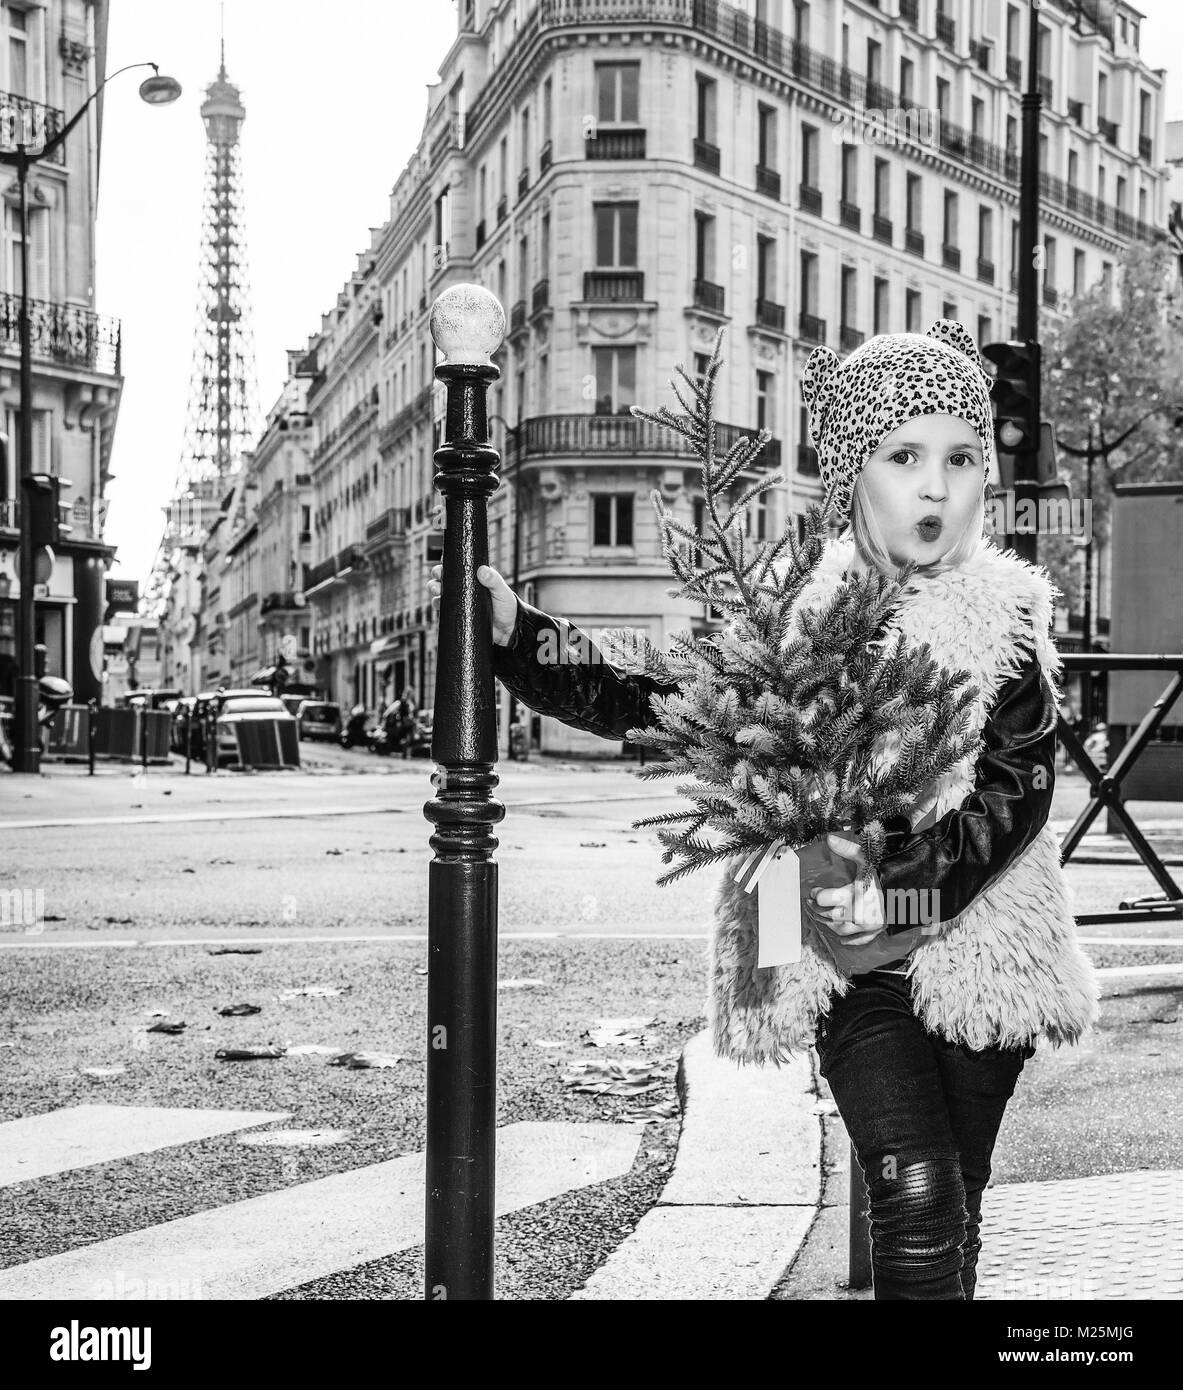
{"points": [[335, 95]]}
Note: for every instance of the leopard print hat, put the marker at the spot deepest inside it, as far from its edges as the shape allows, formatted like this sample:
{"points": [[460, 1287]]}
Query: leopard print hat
{"points": [[891, 378]]}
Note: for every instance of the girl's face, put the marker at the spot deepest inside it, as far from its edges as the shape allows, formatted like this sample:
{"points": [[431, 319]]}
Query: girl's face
{"points": [[929, 469]]}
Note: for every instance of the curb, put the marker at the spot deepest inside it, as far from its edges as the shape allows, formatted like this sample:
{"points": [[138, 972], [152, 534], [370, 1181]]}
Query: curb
{"points": [[744, 1191]]}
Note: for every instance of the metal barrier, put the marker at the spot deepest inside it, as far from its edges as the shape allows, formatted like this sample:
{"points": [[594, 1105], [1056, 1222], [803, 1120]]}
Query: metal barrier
{"points": [[126, 735], [267, 743], [1104, 790]]}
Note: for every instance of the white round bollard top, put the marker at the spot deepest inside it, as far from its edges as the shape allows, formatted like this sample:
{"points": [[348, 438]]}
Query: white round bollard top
{"points": [[468, 324]]}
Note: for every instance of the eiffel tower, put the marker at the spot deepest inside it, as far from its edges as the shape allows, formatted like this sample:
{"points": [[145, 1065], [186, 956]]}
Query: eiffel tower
{"points": [[223, 414]]}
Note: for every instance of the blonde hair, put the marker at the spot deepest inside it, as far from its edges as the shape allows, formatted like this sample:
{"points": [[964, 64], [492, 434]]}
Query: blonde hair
{"points": [[871, 548]]}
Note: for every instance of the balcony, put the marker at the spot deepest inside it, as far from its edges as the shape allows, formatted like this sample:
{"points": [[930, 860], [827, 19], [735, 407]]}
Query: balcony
{"points": [[517, 318], [811, 199], [951, 257], [502, 209], [910, 11], [946, 30], [849, 338], [279, 602], [1051, 296], [881, 229], [480, 234], [811, 328], [979, 53], [1014, 69], [393, 524], [985, 271], [63, 333], [540, 297], [29, 123], [913, 241], [770, 315], [1145, 147], [614, 286], [523, 184], [850, 215], [1107, 130], [544, 158], [1076, 113], [767, 181], [322, 573], [623, 436], [615, 144], [706, 156], [708, 296]]}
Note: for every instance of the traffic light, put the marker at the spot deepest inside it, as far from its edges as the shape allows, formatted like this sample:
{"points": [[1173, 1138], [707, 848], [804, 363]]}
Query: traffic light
{"points": [[41, 498], [1015, 367]]}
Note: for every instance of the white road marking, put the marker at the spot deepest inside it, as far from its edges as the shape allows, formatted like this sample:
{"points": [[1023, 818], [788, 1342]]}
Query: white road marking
{"points": [[267, 1244], [40, 939], [83, 1135]]}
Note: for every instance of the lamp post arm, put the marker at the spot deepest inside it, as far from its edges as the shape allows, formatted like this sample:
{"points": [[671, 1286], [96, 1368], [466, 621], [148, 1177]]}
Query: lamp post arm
{"points": [[58, 139]]}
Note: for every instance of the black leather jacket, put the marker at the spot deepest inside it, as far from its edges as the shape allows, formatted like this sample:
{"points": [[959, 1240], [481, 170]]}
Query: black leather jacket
{"points": [[962, 855]]}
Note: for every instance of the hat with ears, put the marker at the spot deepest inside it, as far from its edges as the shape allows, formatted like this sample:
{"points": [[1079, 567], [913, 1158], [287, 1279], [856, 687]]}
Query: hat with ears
{"points": [[891, 378]]}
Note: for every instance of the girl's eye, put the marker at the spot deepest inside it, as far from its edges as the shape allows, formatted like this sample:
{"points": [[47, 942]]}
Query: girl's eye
{"points": [[900, 456], [967, 459]]}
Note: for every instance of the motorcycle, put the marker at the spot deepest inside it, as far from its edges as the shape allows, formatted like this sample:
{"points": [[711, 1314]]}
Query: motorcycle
{"points": [[52, 693], [354, 733]]}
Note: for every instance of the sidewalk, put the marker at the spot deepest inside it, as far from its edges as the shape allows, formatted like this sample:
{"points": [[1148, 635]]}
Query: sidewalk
{"points": [[757, 1207]]}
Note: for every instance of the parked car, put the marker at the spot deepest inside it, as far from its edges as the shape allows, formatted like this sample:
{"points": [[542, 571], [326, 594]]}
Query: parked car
{"points": [[318, 719], [236, 708]]}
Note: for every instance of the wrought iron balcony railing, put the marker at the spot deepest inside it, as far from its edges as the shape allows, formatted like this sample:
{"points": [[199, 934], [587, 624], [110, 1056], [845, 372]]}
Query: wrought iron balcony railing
{"points": [[850, 215], [621, 435], [767, 181], [1047, 88], [502, 209], [985, 271], [523, 184], [770, 315], [614, 284], [951, 257], [517, 317], [913, 241], [706, 156], [63, 333], [615, 144], [29, 123], [1107, 129], [811, 328], [881, 228], [279, 602], [1014, 68], [1145, 147], [708, 296], [946, 29], [849, 338], [544, 157], [811, 199], [540, 296]]}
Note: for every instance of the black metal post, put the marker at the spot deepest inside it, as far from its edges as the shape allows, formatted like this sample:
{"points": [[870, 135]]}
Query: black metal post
{"points": [[467, 324], [92, 713], [143, 713], [188, 741], [1086, 644], [26, 756], [1024, 543]]}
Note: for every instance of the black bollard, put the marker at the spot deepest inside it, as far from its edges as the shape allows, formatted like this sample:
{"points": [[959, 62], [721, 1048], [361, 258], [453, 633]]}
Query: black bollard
{"points": [[468, 324], [92, 707]]}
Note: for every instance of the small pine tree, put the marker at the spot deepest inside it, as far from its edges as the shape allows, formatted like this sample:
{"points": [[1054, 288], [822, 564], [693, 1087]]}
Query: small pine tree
{"points": [[776, 718]]}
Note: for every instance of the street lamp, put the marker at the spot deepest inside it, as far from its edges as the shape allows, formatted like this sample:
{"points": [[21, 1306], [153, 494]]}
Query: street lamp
{"points": [[156, 91]]}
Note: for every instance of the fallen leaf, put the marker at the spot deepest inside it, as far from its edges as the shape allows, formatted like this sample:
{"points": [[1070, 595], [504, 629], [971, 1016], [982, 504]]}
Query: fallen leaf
{"points": [[314, 1050], [618, 1078], [592, 844], [549, 1042], [236, 951], [120, 921], [314, 992], [248, 1054], [239, 1010], [521, 984], [188, 871], [356, 1060], [103, 1071], [166, 1028], [617, 1032], [421, 970]]}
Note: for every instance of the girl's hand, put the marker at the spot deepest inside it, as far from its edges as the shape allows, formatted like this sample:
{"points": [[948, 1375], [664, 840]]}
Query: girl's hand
{"points": [[505, 603], [854, 912]]}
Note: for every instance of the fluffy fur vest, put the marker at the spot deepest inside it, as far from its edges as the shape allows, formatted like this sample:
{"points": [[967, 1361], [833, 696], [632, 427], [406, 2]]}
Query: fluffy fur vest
{"points": [[1009, 968]]}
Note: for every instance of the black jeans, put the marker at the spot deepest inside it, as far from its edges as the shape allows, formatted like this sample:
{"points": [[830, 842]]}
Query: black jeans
{"points": [[922, 1114]]}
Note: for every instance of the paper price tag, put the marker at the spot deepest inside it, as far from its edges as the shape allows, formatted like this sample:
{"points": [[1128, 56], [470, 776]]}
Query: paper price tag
{"points": [[778, 903]]}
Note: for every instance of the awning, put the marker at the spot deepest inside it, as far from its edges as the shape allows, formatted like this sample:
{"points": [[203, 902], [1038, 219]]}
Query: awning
{"points": [[387, 646]]}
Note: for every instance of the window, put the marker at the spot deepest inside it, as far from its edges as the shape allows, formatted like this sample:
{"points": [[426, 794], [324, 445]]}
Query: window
{"points": [[544, 247], [874, 62], [520, 385], [882, 188], [616, 235], [806, 455], [1144, 115], [1101, 182], [23, 55], [912, 208], [547, 88], [879, 303], [612, 518], [617, 85], [1107, 276], [443, 225], [1015, 251], [949, 309], [765, 399], [850, 174], [1102, 95], [1141, 204], [985, 233], [1078, 272], [1012, 137], [616, 379], [543, 382], [42, 442], [1119, 197], [1073, 169], [1044, 42], [1049, 262], [504, 162], [701, 361], [949, 220], [1013, 35], [38, 251], [756, 518], [848, 300], [907, 81], [943, 97], [704, 246], [524, 152], [766, 268], [523, 267], [985, 329], [706, 102], [808, 283], [766, 136], [809, 156], [912, 311]]}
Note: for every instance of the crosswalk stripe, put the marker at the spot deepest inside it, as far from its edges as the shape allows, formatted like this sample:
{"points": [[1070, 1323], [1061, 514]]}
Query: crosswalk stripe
{"points": [[82, 1135], [268, 1244]]}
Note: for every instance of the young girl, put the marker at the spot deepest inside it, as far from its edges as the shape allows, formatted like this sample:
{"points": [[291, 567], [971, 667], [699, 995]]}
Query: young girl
{"points": [[922, 1053]]}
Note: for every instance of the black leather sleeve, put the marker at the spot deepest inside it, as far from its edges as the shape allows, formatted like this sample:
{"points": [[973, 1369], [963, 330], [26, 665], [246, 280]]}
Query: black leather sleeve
{"points": [[969, 849], [579, 688]]}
